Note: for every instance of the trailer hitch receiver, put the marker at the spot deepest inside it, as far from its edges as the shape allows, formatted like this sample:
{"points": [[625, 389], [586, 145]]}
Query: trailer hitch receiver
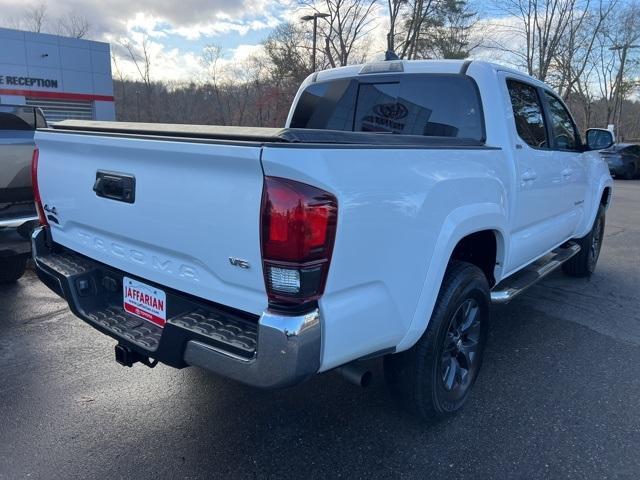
{"points": [[127, 357]]}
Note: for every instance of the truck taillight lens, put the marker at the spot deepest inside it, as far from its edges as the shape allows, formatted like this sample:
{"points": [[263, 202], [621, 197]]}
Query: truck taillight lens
{"points": [[298, 232], [36, 190]]}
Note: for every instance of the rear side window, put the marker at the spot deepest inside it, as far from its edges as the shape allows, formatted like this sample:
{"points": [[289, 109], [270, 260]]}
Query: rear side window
{"points": [[564, 131], [426, 105], [527, 113]]}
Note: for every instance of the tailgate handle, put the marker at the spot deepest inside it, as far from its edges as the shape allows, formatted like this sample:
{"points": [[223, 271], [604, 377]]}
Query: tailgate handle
{"points": [[115, 186]]}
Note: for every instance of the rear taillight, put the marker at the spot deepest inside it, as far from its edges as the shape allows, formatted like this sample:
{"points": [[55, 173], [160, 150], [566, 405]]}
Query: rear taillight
{"points": [[298, 231], [36, 190]]}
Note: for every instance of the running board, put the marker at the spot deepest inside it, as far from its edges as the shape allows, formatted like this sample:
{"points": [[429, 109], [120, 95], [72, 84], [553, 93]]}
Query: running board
{"points": [[512, 286]]}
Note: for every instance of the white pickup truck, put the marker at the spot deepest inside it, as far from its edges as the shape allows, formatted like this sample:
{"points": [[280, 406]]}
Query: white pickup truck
{"points": [[400, 200]]}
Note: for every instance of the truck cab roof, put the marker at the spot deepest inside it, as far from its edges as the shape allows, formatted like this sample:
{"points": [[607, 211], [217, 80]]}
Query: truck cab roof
{"points": [[481, 67]]}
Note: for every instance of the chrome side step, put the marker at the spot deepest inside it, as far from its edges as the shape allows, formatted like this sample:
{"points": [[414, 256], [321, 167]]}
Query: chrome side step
{"points": [[512, 286]]}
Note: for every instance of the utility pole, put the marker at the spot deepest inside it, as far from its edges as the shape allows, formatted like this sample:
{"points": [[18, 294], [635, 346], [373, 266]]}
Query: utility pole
{"points": [[315, 18]]}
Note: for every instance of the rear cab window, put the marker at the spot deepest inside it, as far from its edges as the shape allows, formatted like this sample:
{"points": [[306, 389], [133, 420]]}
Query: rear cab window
{"points": [[432, 105]]}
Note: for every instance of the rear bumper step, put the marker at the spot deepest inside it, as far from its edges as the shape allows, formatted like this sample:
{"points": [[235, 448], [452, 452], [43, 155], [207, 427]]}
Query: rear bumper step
{"points": [[268, 351], [520, 281]]}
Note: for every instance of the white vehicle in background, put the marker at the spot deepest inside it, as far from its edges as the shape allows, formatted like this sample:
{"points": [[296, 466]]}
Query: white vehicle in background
{"points": [[401, 199]]}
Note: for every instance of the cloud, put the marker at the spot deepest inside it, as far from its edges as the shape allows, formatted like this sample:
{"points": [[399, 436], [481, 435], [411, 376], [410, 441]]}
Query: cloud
{"points": [[175, 30], [113, 17], [223, 26], [500, 38], [175, 65]]}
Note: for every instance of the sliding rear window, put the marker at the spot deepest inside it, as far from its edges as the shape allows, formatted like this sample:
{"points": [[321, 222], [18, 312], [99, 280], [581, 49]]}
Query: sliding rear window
{"points": [[426, 105]]}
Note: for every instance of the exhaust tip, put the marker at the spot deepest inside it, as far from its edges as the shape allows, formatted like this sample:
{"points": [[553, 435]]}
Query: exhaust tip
{"points": [[357, 374]]}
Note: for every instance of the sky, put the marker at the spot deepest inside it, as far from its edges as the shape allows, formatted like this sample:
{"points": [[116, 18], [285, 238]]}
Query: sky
{"points": [[178, 30]]}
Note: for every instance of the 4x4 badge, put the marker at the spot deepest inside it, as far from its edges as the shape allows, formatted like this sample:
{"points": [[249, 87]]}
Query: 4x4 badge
{"points": [[238, 262]]}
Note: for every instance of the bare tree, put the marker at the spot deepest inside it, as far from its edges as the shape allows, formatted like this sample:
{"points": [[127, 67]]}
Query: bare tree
{"points": [[140, 56], [288, 48], [349, 21], [395, 8], [119, 76], [618, 61], [574, 59], [16, 23], [419, 12], [543, 27], [288, 57], [35, 17], [74, 26], [211, 60]]}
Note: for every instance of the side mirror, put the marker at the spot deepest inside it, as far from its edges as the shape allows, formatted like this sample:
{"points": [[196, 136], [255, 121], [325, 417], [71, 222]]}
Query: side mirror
{"points": [[599, 139]]}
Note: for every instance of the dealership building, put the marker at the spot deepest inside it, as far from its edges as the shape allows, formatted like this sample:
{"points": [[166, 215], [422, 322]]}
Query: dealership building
{"points": [[66, 77]]}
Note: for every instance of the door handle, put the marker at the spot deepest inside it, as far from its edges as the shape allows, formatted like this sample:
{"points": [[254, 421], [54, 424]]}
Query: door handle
{"points": [[115, 186], [529, 176], [566, 173]]}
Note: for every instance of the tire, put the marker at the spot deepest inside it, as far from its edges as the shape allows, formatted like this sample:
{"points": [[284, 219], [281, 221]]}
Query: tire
{"points": [[429, 379], [12, 268], [583, 264]]}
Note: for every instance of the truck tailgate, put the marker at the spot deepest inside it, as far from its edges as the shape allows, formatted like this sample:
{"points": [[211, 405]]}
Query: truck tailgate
{"points": [[196, 206]]}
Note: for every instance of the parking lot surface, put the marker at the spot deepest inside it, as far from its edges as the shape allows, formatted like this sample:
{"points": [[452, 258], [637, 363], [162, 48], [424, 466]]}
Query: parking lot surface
{"points": [[559, 396]]}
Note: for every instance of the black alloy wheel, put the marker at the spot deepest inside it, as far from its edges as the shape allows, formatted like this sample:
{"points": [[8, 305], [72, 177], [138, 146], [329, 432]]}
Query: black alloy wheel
{"points": [[459, 359]]}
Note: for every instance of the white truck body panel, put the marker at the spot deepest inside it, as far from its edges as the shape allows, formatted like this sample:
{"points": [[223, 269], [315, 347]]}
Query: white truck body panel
{"points": [[402, 211], [414, 203], [195, 207]]}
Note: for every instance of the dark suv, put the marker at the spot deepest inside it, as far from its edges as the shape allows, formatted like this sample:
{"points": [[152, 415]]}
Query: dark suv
{"points": [[17, 211]]}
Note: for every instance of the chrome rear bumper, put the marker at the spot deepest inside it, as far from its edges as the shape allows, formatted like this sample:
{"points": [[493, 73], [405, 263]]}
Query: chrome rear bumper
{"points": [[271, 351], [288, 352]]}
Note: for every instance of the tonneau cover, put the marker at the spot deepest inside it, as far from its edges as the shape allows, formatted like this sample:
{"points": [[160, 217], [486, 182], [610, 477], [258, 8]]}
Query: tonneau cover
{"points": [[258, 134]]}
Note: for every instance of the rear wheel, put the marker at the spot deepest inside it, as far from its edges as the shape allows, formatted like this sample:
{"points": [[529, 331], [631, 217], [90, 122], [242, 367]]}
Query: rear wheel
{"points": [[433, 379], [12, 268], [583, 264]]}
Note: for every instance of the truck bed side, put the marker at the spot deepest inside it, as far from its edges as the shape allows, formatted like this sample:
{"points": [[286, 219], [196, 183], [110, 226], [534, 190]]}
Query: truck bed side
{"points": [[401, 210]]}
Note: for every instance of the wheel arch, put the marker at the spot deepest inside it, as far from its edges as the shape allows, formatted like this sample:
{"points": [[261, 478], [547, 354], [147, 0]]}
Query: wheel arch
{"points": [[605, 198], [603, 195], [461, 228], [483, 249]]}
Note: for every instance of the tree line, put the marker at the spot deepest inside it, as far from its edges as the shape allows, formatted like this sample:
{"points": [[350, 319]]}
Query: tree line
{"points": [[588, 50]]}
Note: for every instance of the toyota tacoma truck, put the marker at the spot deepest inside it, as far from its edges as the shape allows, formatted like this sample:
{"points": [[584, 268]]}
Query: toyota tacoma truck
{"points": [[400, 200], [17, 210]]}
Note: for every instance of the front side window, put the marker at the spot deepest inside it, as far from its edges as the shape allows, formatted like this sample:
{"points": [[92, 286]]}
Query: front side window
{"points": [[424, 105], [528, 114], [564, 131]]}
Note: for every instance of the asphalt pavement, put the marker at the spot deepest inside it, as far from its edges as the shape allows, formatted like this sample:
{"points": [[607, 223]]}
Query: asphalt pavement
{"points": [[558, 397]]}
